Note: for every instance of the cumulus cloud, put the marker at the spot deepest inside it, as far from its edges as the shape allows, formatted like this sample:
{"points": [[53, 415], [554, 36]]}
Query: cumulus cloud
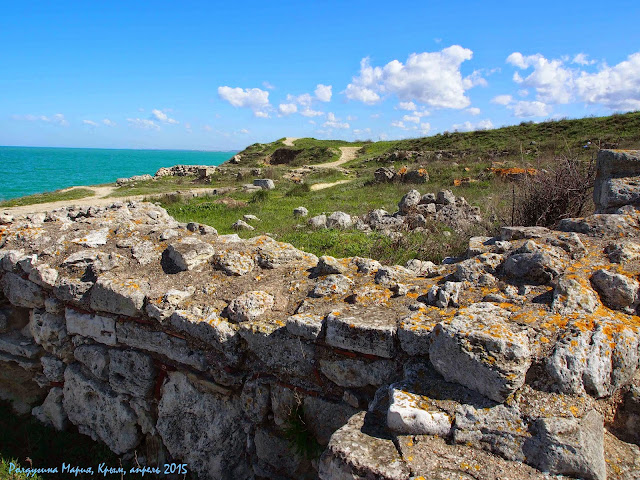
{"points": [[469, 127], [287, 108], [323, 92], [523, 109], [333, 122], [161, 116], [305, 99], [108, 122], [143, 123], [268, 85], [582, 59], [406, 106], [430, 78], [473, 111], [308, 112], [617, 87], [244, 131], [398, 124], [253, 98], [90, 123], [552, 81], [502, 99]]}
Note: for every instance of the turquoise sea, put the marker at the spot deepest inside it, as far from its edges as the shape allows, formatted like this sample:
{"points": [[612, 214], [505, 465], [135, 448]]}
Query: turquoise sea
{"points": [[28, 170]]}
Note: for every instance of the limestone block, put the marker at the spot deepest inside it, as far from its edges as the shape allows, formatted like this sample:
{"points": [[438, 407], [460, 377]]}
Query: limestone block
{"points": [[249, 306], [16, 344], [533, 267], [339, 220], [73, 291], [372, 334], [204, 430], [617, 179], [573, 295], [409, 201], [410, 413], [319, 221], [187, 255], [616, 291], [234, 263], [21, 292], [131, 372], [212, 329], [95, 358], [481, 350], [99, 412], [623, 251], [352, 373], [445, 295], [118, 296], [264, 183], [473, 269], [272, 254], [50, 331], [571, 446], [305, 325], [173, 348], [276, 451], [323, 417], [332, 285], [102, 329], [256, 400], [359, 452], [328, 265], [53, 368], [51, 412], [242, 225], [43, 275]]}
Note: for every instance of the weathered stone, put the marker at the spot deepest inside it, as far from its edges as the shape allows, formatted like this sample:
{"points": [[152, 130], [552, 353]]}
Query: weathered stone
{"points": [[16, 344], [21, 292], [121, 297], [352, 373], [617, 181], [416, 176], [73, 291], [481, 351], [409, 201], [256, 400], [446, 197], [305, 325], [234, 263], [373, 334], [410, 413], [339, 220], [276, 451], [388, 276], [572, 294], [43, 275], [366, 265], [272, 254], [211, 329], [535, 268], [518, 233], [145, 253], [319, 221], [616, 291], [499, 429], [50, 331], [328, 265], [95, 358], [445, 295], [100, 328], [422, 268], [623, 251], [569, 446], [131, 372], [264, 183], [384, 174], [93, 239], [332, 285], [599, 362], [51, 412], [602, 225], [473, 269], [249, 306], [53, 368], [203, 429], [360, 451], [323, 417], [300, 212], [99, 412], [242, 225], [187, 255]]}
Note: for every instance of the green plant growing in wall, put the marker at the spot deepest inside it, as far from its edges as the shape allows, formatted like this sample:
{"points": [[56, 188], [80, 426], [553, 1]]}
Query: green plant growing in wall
{"points": [[301, 439]]}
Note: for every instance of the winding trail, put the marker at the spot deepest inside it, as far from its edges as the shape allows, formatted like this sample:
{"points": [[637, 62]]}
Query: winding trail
{"points": [[348, 154], [288, 141]]}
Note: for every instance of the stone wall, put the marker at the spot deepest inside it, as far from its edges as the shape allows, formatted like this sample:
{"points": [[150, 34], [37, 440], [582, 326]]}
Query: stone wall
{"points": [[177, 343]]}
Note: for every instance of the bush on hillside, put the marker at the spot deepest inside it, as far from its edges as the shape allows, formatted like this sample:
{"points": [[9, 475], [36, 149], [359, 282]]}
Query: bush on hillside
{"points": [[561, 192]]}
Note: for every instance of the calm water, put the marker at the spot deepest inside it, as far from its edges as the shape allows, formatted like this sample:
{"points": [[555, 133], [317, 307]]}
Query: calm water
{"points": [[28, 170]]}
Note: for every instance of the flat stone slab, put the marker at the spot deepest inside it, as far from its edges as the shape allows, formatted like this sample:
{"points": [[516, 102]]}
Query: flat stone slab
{"points": [[372, 333]]}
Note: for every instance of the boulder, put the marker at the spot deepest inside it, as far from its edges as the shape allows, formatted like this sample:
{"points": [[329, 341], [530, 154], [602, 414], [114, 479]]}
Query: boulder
{"points": [[118, 296], [264, 183], [384, 175], [332, 285], [616, 291], [186, 255], [249, 306], [319, 221], [300, 212], [21, 292], [373, 334], [242, 225], [572, 294], [339, 220], [617, 179], [409, 202]]}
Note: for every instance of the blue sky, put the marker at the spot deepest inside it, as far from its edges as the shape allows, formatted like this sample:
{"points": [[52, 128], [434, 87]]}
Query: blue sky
{"points": [[219, 76]]}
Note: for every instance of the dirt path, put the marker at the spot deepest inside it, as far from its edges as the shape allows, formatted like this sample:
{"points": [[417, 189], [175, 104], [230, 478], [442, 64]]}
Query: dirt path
{"points": [[289, 141], [100, 199], [348, 154]]}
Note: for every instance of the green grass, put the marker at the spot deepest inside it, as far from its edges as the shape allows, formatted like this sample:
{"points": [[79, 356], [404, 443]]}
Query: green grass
{"points": [[9, 468], [58, 195], [159, 186]]}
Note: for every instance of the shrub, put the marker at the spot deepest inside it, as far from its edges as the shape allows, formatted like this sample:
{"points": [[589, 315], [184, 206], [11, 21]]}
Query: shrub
{"points": [[563, 191], [298, 190], [260, 196]]}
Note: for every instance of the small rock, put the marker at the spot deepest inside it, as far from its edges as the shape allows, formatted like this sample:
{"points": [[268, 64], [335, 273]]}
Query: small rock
{"points": [[305, 325], [409, 201], [572, 295], [187, 255], [242, 225], [250, 218], [300, 212], [319, 221], [339, 220], [446, 197], [234, 263], [616, 291], [328, 265], [249, 306], [332, 285], [264, 183]]}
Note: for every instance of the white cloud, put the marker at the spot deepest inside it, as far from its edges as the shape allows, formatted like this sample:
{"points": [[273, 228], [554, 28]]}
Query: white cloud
{"points": [[552, 81], [90, 123], [582, 59], [160, 116], [307, 112], [56, 119], [287, 108], [502, 99], [351, 118], [523, 92], [406, 106], [524, 109], [109, 123], [268, 85], [617, 87], [425, 128], [244, 131], [358, 131], [431, 78], [323, 92], [469, 127], [333, 122], [305, 99], [398, 124], [253, 98], [143, 123], [411, 118], [473, 111]]}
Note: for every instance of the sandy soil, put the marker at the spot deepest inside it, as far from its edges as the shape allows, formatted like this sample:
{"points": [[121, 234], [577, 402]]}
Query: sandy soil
{"points": [[289, 141]]}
